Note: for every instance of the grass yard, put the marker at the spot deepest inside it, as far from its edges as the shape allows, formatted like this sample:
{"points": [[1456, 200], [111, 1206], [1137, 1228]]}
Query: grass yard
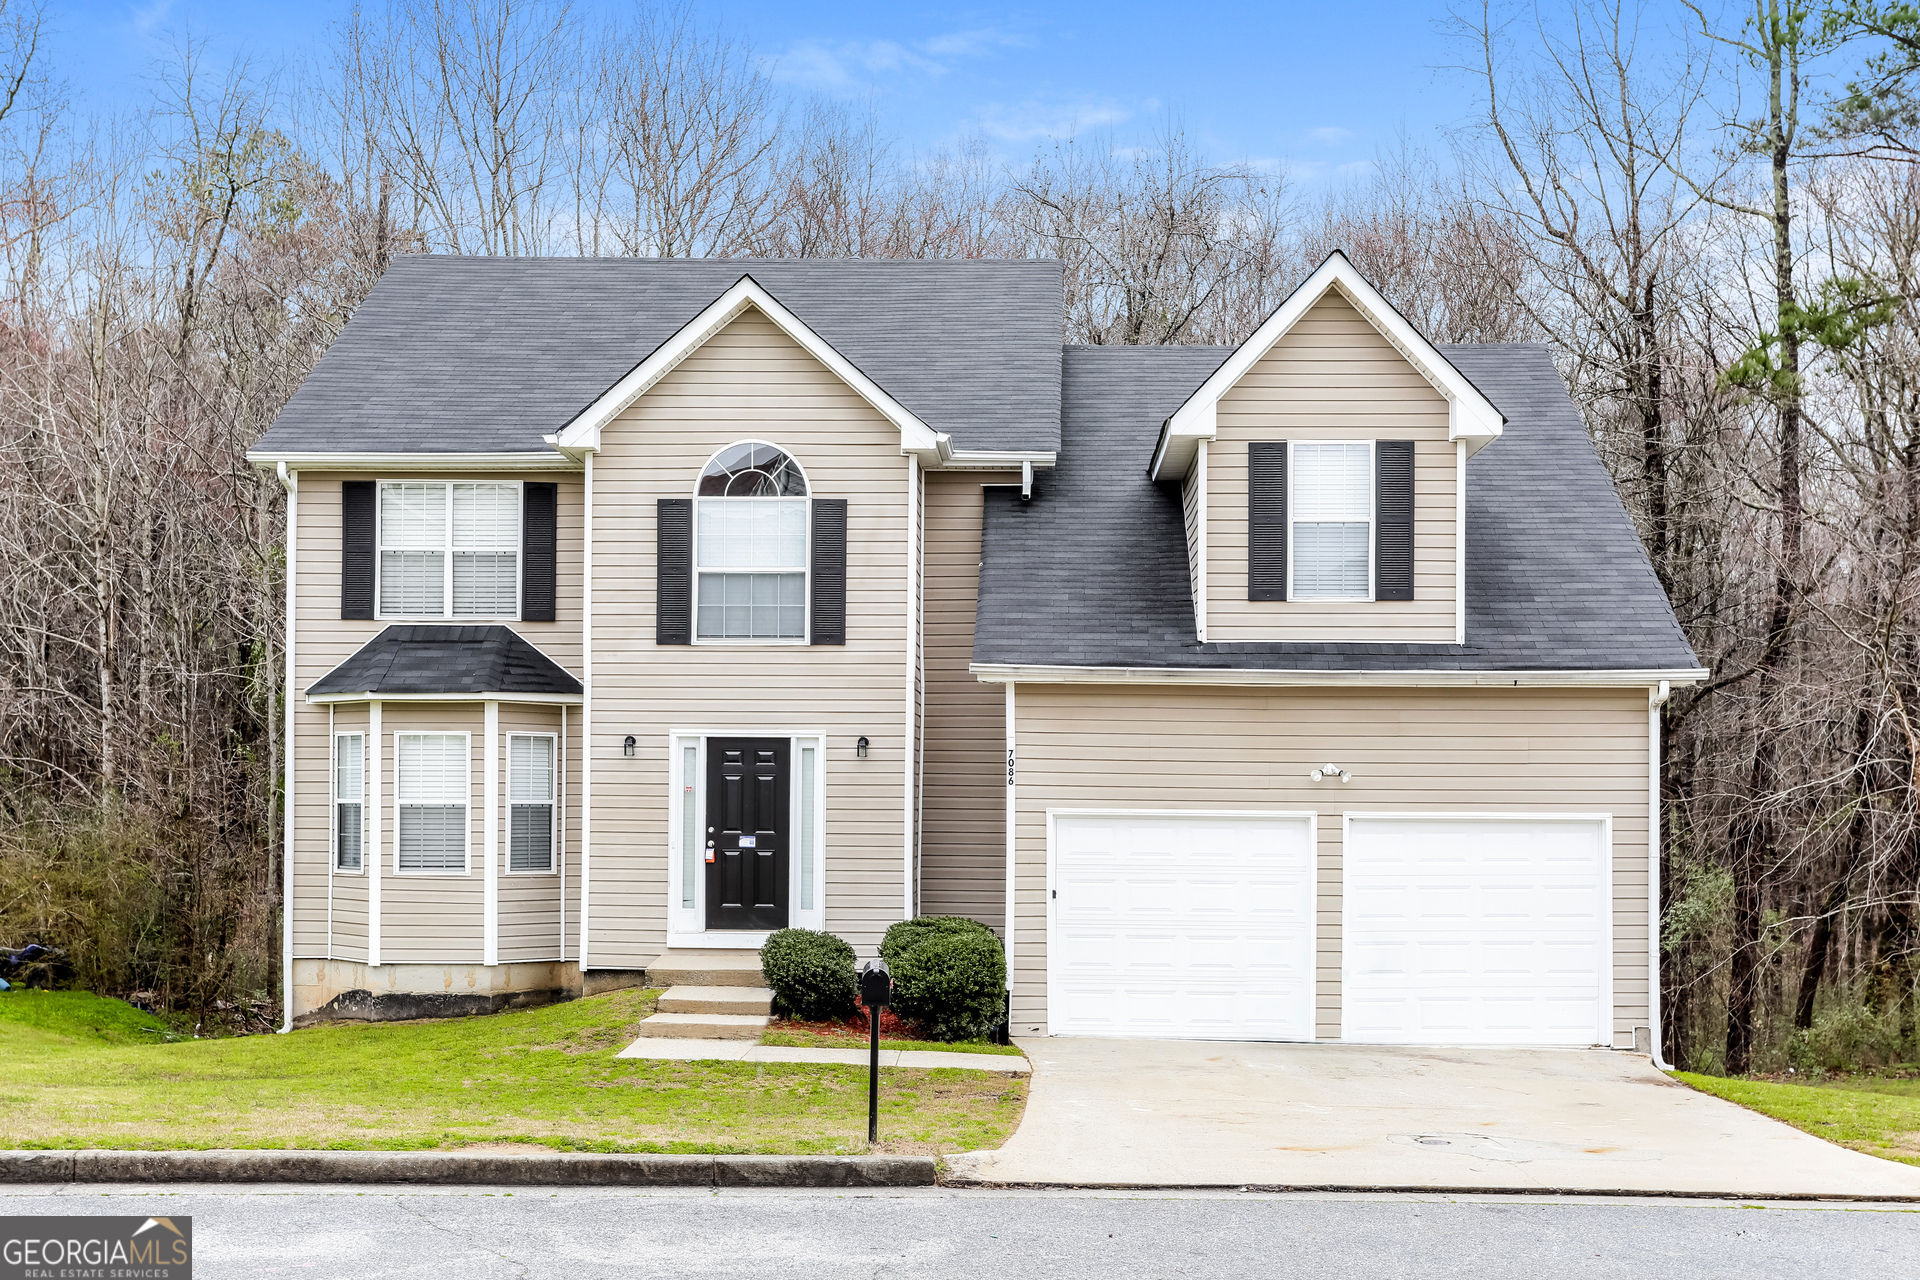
{"points": [[1879, 1115], [82, 1071]]}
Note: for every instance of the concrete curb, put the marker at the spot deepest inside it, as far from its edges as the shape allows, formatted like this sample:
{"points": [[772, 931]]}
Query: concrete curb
{"points": [[963, 1183], [491, 1168]]}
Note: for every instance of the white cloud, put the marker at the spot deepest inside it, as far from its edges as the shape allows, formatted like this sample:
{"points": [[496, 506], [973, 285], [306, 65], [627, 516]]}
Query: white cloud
{"points": [[1032, 120], [1330, 135], [846, 65]]}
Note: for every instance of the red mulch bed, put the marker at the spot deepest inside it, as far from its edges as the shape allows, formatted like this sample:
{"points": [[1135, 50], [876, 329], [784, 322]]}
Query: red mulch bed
{"points": [[855, 1029]]}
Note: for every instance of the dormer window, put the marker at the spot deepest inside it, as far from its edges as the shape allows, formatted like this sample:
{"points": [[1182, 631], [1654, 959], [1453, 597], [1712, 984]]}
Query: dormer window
{"points": [[750, 546], [1332, 517]]}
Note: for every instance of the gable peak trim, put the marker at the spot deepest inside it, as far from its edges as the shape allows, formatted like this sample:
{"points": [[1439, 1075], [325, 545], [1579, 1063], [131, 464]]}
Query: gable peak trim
{"points": [[1470, 415], [582, 435]]}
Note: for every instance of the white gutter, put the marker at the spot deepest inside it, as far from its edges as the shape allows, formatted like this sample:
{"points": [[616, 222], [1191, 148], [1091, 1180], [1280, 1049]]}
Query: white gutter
{"points": [[541, 699], [544, 460], [1012, 814], [1003, 673], [290, 481], [1656, 698]]}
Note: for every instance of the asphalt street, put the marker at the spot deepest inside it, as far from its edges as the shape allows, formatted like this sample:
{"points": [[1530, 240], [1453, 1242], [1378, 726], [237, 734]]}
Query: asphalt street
{"points": [[371, 1233]]}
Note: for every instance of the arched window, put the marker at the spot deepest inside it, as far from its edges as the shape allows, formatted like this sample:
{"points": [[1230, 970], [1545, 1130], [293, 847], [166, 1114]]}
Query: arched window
{"points": [[750, 545]]}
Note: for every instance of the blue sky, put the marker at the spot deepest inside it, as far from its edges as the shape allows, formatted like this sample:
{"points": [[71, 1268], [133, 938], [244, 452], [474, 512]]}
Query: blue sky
{"points": [[1319, 86]]}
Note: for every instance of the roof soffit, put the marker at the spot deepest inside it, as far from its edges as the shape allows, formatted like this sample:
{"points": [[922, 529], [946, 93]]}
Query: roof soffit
{"points": [[1470, 415]]}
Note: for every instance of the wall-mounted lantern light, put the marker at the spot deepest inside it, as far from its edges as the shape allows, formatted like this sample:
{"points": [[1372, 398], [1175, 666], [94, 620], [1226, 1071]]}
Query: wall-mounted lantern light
{"points": [[1331, 771], [626, 748], [860, 747]]}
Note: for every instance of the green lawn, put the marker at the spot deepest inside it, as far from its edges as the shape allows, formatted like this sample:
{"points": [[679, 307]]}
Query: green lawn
{"points": [[1879, 1115], [817, 1040], [82, 1071]]}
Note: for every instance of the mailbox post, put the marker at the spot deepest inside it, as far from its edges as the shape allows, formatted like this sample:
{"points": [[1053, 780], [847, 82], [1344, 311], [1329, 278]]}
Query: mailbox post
{"points": [[876, 992]]}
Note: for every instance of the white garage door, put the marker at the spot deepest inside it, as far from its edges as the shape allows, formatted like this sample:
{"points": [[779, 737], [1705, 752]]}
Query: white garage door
{"points": [[1476, 931], [1182, 926]]}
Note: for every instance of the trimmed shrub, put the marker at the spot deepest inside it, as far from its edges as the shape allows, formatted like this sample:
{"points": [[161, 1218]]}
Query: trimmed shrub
{"points": [[909, 934], [949, 976], [811, 974]]}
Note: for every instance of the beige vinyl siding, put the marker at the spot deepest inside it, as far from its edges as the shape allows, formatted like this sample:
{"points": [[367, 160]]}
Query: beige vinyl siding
{"points": [[323, 640], [432, 917], [1409, 750], [963, 840], [1333, 377], [750, 381], [530, 901]]}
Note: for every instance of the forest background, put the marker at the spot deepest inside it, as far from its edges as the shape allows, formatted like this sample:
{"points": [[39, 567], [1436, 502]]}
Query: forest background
{"points": [[1718, 232]]}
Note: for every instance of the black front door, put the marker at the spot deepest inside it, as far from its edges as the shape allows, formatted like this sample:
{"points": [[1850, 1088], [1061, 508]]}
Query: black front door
{"points": [[747, 833]]}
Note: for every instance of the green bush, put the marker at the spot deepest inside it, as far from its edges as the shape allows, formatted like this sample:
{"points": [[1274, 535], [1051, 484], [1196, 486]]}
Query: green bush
{"points": [[909, 934], [811, 974], [949, 976]]}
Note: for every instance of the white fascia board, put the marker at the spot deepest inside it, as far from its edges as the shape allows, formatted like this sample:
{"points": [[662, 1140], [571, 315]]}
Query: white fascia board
{"points": [[993, 460], [583, 433], [1470, 415], [1005, 673], [541, 699], [411, 462]]}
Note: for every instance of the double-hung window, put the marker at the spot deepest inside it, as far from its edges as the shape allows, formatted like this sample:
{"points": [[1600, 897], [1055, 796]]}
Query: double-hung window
{"points": [[530, 827], [750, 546], [1331, 514], [349, 792], [449, 549], [432, 790]]}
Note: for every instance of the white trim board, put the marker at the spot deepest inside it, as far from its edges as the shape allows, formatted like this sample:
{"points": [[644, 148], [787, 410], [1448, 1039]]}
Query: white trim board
{"points": [[1470, 415], [1003, 673]]}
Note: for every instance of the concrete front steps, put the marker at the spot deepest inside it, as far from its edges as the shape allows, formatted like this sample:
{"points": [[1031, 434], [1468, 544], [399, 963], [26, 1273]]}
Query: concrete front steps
{"points": [[710, 995]]}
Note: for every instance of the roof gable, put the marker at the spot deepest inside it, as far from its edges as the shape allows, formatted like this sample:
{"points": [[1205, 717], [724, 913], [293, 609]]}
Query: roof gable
{"points": [[1471, 416], [582, 435]]}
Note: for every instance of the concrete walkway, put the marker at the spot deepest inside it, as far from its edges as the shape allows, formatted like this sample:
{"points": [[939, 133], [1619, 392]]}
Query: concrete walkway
{"points": [[747, 1051], [1185, 1113]]}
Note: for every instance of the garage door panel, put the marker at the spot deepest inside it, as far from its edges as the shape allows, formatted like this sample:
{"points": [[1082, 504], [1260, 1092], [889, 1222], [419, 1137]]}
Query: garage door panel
{"points": [[1475, 931], [1208, 933]]}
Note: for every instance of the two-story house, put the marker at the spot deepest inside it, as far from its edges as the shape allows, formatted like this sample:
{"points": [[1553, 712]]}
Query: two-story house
{"points": [[1304, 689]]}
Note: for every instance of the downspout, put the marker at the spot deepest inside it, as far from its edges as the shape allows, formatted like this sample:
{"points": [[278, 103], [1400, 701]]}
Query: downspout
{"points": [[1011, 846], [1656, 698], [581, 953], [290, 481]]}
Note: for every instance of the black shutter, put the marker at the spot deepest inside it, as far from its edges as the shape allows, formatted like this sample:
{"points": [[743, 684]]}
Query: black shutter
{"points": [[1267, 520], [673, 572], [539, 539], [357, 517], [1393, 520], [829, 602]]}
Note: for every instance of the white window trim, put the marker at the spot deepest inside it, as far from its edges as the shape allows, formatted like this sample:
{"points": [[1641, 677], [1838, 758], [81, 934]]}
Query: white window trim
{"points": [[446, 567], [1373, 520], [466, 830], [553, 803], [806, 560], [334, 802], [687, 926]]}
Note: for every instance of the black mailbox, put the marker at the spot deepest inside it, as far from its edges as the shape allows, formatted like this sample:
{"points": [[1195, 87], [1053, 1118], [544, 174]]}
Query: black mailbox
{"points": [[876, 984]]}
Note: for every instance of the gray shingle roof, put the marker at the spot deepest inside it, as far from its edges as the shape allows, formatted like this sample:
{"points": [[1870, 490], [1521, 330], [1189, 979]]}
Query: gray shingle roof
{"points": [[441, 659], [487, 355], [1093, 571]]}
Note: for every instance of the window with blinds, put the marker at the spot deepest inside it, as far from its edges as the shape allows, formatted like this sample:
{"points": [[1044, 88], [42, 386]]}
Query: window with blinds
{"points": [[750, 546], [449, 549], [431, 791], [530, 825], [349, 792], [1331, 514]]}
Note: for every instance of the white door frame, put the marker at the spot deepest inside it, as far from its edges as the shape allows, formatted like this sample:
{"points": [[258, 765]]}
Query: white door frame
{"points": [[687, 926], [1603, 1030], [1311, 816]]}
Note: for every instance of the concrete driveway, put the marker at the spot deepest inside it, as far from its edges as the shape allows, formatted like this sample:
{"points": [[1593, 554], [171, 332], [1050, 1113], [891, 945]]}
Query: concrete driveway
{"points": [[1164, 1113]]}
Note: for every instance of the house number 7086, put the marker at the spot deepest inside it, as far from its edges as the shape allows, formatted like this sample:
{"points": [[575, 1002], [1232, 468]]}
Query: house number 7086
{"points": [[1009, 766]]}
